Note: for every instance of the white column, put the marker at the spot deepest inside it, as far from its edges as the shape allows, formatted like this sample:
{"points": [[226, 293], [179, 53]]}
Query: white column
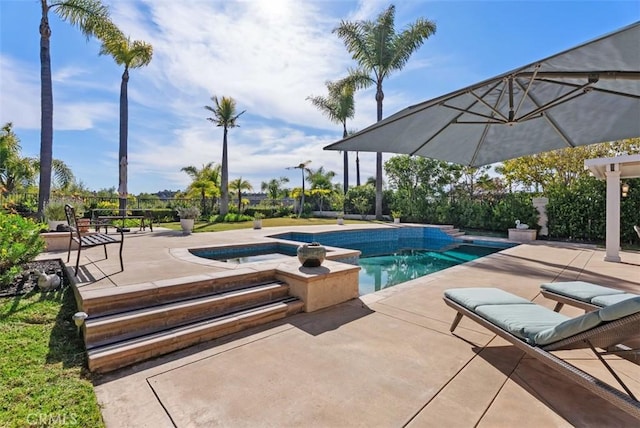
{"points": [[613, 213]]}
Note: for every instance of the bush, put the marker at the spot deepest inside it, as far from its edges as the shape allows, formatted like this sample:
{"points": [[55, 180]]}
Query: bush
{"points": [[20, 242]]}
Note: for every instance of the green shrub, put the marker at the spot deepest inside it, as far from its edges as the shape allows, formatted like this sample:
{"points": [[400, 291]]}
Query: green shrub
{"points": [[20, 242]]}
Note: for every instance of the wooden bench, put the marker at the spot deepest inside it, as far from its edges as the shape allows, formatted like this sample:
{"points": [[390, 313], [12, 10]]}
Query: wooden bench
{"points": [[88, 240], [107, 220]]}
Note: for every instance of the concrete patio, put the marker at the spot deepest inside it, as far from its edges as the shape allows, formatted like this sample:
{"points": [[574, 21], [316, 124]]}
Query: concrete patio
{"points": [[386, 359]]}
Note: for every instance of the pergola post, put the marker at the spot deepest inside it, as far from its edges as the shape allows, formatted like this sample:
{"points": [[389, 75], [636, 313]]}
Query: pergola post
{"points": [[612, 173]]}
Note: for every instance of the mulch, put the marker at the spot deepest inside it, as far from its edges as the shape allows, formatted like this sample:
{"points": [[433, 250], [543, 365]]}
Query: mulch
{"points": [[27, 281]]}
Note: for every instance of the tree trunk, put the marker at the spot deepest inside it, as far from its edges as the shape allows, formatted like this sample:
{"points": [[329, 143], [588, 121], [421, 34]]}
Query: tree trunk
{"points": [[224, 182], [379, 98], [345, 161], [46, 113], [123, 150]]}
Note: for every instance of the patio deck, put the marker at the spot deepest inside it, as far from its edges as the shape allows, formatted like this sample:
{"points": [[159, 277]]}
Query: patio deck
{"points": [[386, 359]]}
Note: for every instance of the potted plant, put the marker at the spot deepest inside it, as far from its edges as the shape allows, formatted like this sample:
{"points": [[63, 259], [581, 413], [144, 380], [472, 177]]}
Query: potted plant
{"points": [[188, 216], [396, 216], [54, 214], [340, 218], [257, 220]]}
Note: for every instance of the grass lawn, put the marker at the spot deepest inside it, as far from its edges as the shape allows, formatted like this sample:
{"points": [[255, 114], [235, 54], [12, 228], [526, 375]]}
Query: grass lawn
{"points": [[43, 375], [202, 226]]}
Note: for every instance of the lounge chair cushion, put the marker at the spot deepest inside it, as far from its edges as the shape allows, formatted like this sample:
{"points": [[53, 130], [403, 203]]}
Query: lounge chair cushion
{"points": [[620, 309], [471, 298], [522, 320], [567, 328], [579, 290], [612, 299]]}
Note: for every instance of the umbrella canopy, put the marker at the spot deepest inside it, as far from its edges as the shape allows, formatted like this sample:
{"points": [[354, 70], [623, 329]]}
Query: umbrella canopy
{"points": [[585, 95]]}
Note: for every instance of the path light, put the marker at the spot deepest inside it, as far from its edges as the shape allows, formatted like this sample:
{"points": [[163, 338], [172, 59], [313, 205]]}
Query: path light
{"points": [[79, 318], [625, 190]]}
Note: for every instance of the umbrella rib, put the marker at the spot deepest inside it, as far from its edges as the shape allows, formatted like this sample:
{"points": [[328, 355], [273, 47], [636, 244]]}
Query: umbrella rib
{"points": [[524, 96], [607, 91], [455, 119], [552, 122], [486, 128], [493, 109]]}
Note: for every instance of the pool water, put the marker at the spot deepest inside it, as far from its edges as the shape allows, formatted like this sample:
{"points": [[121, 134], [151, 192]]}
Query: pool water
{"points": [[379, 272]]}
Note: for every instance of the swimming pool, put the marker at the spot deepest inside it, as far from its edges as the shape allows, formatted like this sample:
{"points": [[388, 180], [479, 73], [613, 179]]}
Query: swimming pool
{"points": [[388, 256]]}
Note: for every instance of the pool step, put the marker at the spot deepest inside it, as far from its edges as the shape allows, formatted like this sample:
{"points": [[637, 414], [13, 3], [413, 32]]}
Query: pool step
{"points": [[452, 231], [112, 300], [132, 323], [103, 330], [117, 355]]}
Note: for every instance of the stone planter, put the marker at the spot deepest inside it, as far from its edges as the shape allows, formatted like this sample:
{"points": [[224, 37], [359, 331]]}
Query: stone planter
{"points": [[257, 224], [53, 224], [311, 255], [396, 220], [187, 225], [340, 221]]}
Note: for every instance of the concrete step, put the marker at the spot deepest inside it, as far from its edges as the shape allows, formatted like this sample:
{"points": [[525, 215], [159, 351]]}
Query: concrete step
{"points": [[127, 352], [100, 331], [105, 301]]}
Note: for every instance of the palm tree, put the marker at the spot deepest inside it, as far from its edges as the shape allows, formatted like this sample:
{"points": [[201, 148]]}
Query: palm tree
{"points": [[273, 187], [238, 185], [224, 114], [338, 107], [302, 167], [320, 182], [15, 171], [206, 182], [379, 50], [131, 54], [92, 18]]}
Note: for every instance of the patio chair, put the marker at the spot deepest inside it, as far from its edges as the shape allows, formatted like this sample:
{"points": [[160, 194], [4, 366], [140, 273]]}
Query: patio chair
{"points": [[583, 295], [537, 331], [88, 239]]}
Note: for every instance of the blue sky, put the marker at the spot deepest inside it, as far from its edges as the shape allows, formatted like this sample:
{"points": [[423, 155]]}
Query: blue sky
{"points": [[269, 55]]}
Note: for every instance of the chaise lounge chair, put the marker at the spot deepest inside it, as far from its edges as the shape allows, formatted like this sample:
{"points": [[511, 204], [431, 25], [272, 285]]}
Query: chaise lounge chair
{"points": [[537, 331], [583, 295]]}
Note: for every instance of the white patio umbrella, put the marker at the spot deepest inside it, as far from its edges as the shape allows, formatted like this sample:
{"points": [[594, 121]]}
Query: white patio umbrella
{"points": [[585, 95]]}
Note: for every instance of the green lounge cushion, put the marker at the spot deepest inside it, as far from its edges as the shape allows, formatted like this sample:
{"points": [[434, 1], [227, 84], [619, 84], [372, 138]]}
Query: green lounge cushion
{"points": [[612, 299], [567, 328], [579, 290], [620, 309], [471, 298], [522, 320]]}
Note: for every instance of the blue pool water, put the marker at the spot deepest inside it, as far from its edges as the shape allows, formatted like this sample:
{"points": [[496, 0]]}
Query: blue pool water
{"points": [[379, 272], [246, 254]]}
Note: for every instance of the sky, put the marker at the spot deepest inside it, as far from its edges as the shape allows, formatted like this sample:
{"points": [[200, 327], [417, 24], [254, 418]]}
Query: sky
{"points": [[268, 55]]}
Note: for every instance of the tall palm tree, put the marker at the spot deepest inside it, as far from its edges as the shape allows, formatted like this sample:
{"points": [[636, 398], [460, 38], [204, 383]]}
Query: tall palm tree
{"points": [[338, 107], [206, 182], [92, 18], [224, 114], [130, 54], [302, 167], [238, 185], [379, 50]]}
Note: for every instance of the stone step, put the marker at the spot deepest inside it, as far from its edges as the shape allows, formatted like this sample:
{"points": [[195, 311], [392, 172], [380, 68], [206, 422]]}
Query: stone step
{"points": [[105, 301], [100, 331], [127, 352]]}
